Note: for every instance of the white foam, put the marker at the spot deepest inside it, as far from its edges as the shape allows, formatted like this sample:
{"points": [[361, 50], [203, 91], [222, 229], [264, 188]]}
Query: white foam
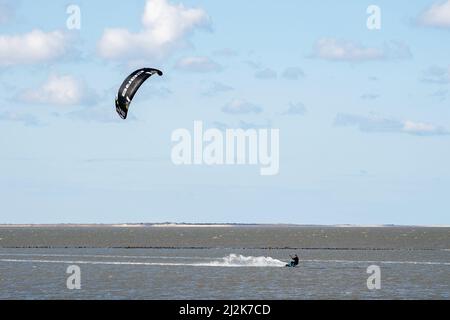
{"points": [[231, 260], [234, 260]]}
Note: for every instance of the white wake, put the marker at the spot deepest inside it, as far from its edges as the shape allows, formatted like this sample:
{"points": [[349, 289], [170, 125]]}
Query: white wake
{"points": [[231, 260], [234, 260]]}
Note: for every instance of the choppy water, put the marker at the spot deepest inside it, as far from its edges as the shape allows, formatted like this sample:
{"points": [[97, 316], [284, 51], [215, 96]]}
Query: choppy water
{"points": [[224, 263]]}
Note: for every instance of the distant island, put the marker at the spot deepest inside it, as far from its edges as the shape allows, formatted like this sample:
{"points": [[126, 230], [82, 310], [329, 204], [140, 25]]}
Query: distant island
{"points": [[205, 225]]}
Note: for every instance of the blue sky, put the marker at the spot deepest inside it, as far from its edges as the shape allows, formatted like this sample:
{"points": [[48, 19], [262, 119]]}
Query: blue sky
{"points": [[363, 114]]}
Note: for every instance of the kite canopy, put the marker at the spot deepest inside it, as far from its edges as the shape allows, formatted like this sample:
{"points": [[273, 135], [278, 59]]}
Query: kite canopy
{"points": [[129, 88]]}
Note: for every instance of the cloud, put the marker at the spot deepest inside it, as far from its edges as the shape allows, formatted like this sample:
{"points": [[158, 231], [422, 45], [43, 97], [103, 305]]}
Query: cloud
{"points": [[26, 119], [59, 90], [370, 96], [237, 106], [378, 124], [437, 75], [332, 49], [421, 128], [438, 15], [293, 73], [197, 64], [165, 27], [33, 47], [295, 109], [216, 88], [341, 50], [266, 73]]}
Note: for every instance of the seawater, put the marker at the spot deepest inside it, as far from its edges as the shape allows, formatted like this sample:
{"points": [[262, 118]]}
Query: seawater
{"points": [[241, 267]]}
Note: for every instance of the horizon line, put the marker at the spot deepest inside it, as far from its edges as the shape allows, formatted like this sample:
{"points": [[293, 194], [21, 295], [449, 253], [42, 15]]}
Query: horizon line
{"points": [[215, 224]]}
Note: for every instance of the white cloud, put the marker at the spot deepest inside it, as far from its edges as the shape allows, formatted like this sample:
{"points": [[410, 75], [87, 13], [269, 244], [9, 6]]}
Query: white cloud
{"points": [[59, 90], [238, 106], [332, 49], [164, 27], [266, 74], [438, 15], [421, 128], [341, 50], [197, 64], [33, 47], [375, 123]]}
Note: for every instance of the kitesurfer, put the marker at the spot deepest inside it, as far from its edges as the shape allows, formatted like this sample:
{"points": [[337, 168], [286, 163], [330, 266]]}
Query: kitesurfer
{"points": [[294, 261]]}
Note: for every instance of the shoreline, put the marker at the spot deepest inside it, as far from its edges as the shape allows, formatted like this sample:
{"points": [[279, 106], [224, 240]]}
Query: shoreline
{"points": [[212, 225]]}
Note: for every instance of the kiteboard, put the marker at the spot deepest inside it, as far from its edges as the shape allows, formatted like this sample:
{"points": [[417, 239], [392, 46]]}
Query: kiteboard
{"points": [[290, 265]]}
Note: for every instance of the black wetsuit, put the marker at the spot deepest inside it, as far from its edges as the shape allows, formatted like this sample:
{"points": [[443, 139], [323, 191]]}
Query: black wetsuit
{"points": [[295, 260]]}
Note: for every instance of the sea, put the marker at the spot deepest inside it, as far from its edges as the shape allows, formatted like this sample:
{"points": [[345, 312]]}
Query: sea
{"points": [[224, 262]]}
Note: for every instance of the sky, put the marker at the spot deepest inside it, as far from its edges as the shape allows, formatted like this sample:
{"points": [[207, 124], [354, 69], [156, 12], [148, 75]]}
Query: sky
{"points": [[363, 114]]}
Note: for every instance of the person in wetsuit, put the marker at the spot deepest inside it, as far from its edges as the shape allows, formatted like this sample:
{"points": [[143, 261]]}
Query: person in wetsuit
{"points": [[294, 261]]}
